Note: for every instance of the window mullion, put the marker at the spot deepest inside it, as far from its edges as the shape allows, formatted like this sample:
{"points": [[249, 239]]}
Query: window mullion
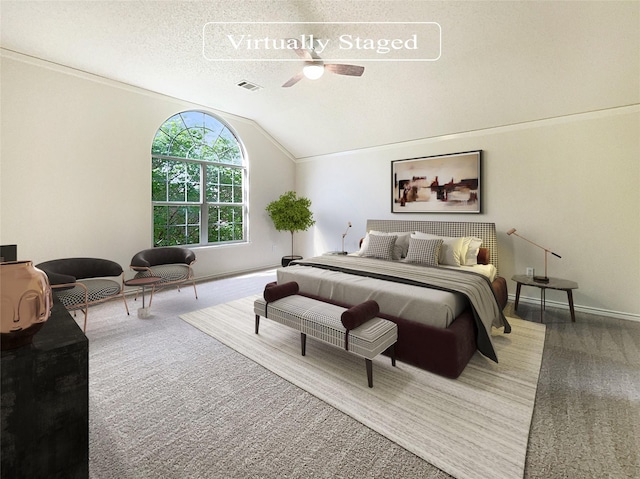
{"points": [[204, 213]]}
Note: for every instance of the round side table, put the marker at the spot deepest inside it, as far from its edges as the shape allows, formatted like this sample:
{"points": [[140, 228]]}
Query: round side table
{"points": [[143, 283], [554, 283]]}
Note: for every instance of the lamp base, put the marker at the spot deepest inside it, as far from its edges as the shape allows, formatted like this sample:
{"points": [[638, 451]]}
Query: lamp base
{"points": [[541, 279]]}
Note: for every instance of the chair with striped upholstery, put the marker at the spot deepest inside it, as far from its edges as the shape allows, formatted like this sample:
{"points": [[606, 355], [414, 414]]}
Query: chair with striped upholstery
{"points": [[81, 282], [172, 264]]}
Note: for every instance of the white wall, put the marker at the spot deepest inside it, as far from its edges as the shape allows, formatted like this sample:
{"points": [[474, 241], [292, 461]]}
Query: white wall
{"points": [[570, 184], [75, 181], [76, 170]]}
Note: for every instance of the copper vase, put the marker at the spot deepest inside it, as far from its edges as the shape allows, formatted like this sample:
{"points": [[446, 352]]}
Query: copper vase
{"points": [[26, 302]]}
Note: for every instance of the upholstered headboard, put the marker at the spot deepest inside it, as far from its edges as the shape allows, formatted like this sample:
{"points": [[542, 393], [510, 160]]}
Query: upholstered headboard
{"points": [[484, 231]]}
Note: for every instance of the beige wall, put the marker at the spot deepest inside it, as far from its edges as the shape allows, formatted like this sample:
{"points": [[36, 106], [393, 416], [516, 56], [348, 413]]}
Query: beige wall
{"points": [[75, 171], [570, 184]]}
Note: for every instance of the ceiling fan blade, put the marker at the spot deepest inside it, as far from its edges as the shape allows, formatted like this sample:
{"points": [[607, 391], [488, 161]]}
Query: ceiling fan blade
{"points": [[341, 69], [294, 79], [303, 53]]}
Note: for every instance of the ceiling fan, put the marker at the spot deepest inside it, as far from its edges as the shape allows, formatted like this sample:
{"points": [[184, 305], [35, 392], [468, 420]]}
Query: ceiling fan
{"points": [[314, 67]]}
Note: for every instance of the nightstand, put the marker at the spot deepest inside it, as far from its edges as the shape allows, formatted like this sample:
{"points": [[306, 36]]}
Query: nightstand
{"points": [[554, 283]]}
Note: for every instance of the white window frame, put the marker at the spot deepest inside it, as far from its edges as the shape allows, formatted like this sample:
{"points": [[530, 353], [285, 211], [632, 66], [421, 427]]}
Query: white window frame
{"points": [[202, 203]]}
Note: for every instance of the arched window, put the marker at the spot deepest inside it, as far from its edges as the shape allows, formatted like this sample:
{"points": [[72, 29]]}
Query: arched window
{"points": [[198, 182]]}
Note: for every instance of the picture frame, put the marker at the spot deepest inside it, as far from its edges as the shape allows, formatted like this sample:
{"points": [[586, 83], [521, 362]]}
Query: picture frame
{"points": [[447, 183]]}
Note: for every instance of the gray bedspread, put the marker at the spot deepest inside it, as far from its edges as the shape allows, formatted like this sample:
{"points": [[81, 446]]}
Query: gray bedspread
{"points": [[475, 288]]}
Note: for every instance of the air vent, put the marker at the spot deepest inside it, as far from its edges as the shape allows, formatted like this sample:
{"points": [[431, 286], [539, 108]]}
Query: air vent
{"points": [[249, 86]]}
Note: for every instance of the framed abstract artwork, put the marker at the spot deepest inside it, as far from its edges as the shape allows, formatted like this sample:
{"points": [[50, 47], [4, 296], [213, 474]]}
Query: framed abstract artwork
{"points": [[437, 184]]}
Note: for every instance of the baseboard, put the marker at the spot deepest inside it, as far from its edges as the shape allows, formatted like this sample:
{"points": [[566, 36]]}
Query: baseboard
{"points": [[578, 308], [202, 279], [229, 274]]}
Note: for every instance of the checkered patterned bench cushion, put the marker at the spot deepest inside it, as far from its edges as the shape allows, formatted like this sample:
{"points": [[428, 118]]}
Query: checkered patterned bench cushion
{"points": [[97, 290], [321, 320]]}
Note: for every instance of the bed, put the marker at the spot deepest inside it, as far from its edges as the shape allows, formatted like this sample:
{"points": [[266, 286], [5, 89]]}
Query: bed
{"points": [[438, 281]]}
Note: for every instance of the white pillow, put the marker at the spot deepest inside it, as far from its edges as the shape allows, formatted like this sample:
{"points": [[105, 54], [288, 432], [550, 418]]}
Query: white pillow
{"points": [[401, 246], [452, 250], [380, 246], [471, 256]]}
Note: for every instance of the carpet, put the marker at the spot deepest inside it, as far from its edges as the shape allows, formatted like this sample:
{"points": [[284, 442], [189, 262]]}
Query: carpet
{"points": [[476, 426]]}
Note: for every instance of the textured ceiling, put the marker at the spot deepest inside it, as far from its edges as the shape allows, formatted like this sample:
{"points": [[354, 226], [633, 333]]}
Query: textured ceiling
{"points": [[501, 63]]}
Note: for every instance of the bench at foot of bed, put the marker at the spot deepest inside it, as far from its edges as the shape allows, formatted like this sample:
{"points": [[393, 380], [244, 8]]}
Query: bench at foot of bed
{"points": [[357, 330]]}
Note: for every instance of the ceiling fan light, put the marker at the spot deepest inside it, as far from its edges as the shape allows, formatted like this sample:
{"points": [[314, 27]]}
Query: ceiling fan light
{"points": [[313, 71]]}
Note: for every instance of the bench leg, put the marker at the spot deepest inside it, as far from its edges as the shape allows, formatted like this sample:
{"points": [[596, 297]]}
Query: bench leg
{"points": [[257, 322], [303, 343], [369, 372], [392, 353]]}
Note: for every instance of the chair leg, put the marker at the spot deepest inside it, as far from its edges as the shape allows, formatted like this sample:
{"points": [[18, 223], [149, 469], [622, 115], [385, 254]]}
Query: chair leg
{"points": [[136, 297], [126, 306], [86, 313], [169, 285]]}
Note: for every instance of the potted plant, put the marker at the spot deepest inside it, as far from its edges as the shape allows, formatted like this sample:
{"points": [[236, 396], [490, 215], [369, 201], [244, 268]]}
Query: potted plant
{"points": [[290, 213]]}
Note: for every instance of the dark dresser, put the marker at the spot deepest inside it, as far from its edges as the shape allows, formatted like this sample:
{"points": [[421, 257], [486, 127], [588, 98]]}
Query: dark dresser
{"points": [[45, 403]]}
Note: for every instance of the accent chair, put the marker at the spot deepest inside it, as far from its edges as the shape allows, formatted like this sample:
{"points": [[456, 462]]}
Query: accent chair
{"points": [[81, 282], [171, 263]]}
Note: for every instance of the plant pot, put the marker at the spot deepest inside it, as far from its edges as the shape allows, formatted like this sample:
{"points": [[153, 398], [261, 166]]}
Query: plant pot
{"points": [[288, 259], [26, 302]]}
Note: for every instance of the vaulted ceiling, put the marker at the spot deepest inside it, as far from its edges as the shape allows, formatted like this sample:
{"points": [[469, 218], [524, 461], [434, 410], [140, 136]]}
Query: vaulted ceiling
{"points": [[499, 63]]}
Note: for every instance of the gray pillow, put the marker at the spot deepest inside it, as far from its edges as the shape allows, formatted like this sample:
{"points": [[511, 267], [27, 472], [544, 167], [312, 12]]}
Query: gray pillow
{"points": [[380, 247], [424, 251]]}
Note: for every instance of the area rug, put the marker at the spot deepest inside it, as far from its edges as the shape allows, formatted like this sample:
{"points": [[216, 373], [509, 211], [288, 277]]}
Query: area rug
{"points": [[476, 426]]}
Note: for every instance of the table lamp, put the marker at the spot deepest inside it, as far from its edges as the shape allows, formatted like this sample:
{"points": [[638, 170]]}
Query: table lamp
{"points": [[345, 234], [539, 279]]}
